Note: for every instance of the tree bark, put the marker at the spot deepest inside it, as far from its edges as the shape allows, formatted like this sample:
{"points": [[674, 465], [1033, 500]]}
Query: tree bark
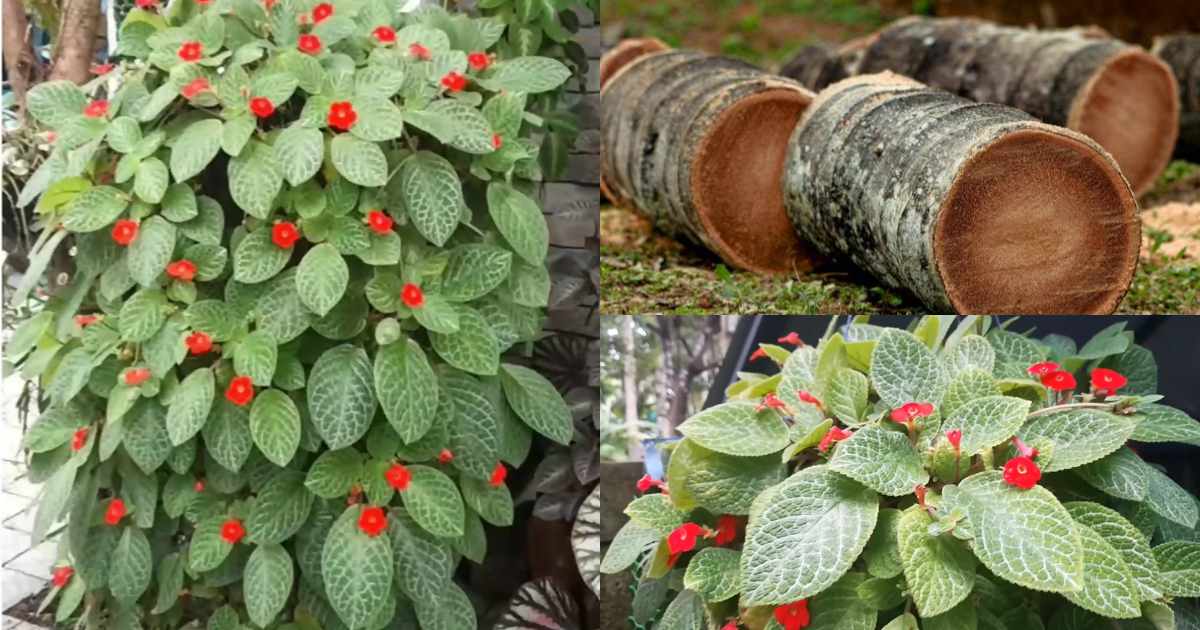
{"points": [[696, 143], [630, 389], [20, 64], [75, 46], [1120, 95], [975, 208], [665, 378], [1182, 54]]}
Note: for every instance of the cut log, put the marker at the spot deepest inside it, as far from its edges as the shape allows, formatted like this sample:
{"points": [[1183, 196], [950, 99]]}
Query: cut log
{"points": [[697, 144], [1120, 95], [973, 207], [625, 52], [1182, 54]]}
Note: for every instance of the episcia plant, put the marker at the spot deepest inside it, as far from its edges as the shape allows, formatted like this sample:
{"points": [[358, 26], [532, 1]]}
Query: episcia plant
{"points": [[948, 477], [279, 385]]}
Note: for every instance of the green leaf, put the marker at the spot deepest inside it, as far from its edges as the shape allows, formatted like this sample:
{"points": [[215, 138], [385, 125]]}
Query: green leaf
{"points": [[1160, 423], [882, 553], [236, 133], [255, 356], [334, 473], [627, 546], [940, 570], [1121, 474], [473, 348], [208, 225], [437, 315], [735, 428], [423, 564], [520, 220], [190, 405], [275, 426], [95, 208], [300, 151], [840, 608], [537, 403], [881, 459], [1080, 436], [150, 253], [170, 582], [904, 370], [493, 503], [1108, 585], [150, 183], [986, 422], [257, 258], [407, 387], [655, 511], [686, 612], [961, 617], [255, 179], [267, 583], [54, 499], [143, 315], [804, 534], [471, 131], [55, 103], [971, 353], [378, 80], [341, 395], [713, 574], [280, 509], [903, 622], [1170, 501], [146, 438], [1179, 565], [723, 484], [359, 161], [378, 119], [966, 386], [1023, 536], [434, 502], [195, 148], [279, 311], [473, 271], [846, 395], [526, 74], [1125, 538], [448, 608], [129, 573], [432, 195], [216, 318], [321, 278], [72, 374], [227, 435], [356, 570]]}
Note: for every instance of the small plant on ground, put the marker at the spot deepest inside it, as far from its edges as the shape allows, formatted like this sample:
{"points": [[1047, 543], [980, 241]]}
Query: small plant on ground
{"points": [[947, 477]]}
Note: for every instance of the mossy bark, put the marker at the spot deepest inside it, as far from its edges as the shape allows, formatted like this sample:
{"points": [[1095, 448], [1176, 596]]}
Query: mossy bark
{"points": [[1182, 54]]}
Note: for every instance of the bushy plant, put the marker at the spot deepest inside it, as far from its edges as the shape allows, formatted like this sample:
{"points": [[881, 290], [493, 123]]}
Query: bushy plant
{"points": [[275, 388], [947, 477]]}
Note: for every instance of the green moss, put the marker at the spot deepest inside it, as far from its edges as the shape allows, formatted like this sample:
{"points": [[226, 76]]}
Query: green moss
{"points": [[1164, 285]]}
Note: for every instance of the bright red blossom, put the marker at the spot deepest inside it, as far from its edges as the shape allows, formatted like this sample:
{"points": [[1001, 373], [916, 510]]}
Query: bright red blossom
{"points": [[261, 106], [479, 61], [191, 51], [1043, 368], [807, 397], [240, 391], [684, 538], [384, 34], [86, 320], [955, 438], [284, 235], [499, 473], [96, 109], [834, 435], [147, 4], [193, 89], [732, 625], [1059, 381], [911, 411], [497, 141], [726, 529], [1107, 382], [125, 231], [309, 44], [792, 338], [1022, 472], [398, 477], [62, 575], [101, 69], [446, 456], [198, 343], [645, 483], [321, 12], [757, 354], [412, 296], [379, 222], [137, 376], [232, 531], [419, 51], [454, 81], [372, 521], [793, 616], [199, 487], [770, 401], [182, 270], [79, 440], [115, 512], [342, 115]]}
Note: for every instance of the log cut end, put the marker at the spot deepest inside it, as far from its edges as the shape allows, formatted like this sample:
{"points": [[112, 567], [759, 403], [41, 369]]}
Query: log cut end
{"points": [[736, 175], [1038, 221], [1130, 106], [626, 51]]}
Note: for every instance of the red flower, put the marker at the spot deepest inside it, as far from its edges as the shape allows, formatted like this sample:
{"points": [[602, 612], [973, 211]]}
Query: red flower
{"points": [[380, 223], [261, 106], [96, 109], [955, 438], [232, 531], [115, 512], [342, 115], [198, 343], [645, 483], [284, 235], [240, 391], [792, 338], [1022, 472], [1043, 368], [497, 141], [446, 456], [1059, 381], [86, 320], [269, 4], [398, 477], [793, 616], [62, 575], [1107, 382], [182, 270], [372, 521], [79, 440], [198, 85], [203, 2], [479, 61], [919, 491], [807, 397], [384, 34], [835, 434], [322, 11], [758, 354], [498, 475], [454, 81], [770, 401], [124, 231], [732, 625], [137, 376], [726, 529], [309, 44], [684, 538], [191, 51], [911, 411], [418, 51], [412, 296], [101, 69], [147, 4], [199, 487]]}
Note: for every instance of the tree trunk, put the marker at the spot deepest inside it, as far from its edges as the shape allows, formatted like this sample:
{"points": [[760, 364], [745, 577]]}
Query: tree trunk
{"points": [[1119, 95], [696, 143], [664, 378], [1182, 54], [75, 46], [630, 389], [21, 66], [973, 207]]}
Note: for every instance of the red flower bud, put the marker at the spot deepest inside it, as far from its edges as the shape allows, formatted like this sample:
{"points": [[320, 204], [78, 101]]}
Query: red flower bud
{"points": [[955, 438], [726, 530], [262, 107], [834, 435], [398, 477], [284, 235], [115, 512], [770, 401], [384, 34], [479, 61], [499, 473], [199, 487], [137, 376], [1022, 472], [62, 575], [147, 4], [309, 44], [791, 338], [379, 222], [182, 270], [79, 440], [240, 391], [446, 456], [86, 320], [919, 491], [497, 141], [793, 616], [373, 521], [808, 398], [418, 51], [193, 89], [101, 69], [684, 538], [198, 343], [321, 12], [232, 531], [96, 109], [758, 354], [454, 81], [412, 296], [191, 51], [645, 483], [125, 231]]}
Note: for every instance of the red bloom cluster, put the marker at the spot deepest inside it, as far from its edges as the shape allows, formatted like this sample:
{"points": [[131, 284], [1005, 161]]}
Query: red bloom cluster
{"points": [[373, 521], [792, 338], [379, 222], [770, 401], [412, 296], [115, 512], [137, 376], [198, 343], [834, 435], [284, 235], [454, 81], [793, 616], [232, 531], [384, 34], [309, 44], [499, 473], [240, 391], [183, 269], [62, 575], [191, 51], [479, 61], [79, 440], [398, 477], [342, 115], [262, 107], [1106, 382]]}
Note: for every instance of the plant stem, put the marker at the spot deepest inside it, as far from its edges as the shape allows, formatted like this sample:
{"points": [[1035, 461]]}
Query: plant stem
{"points": [[1066, 406]]}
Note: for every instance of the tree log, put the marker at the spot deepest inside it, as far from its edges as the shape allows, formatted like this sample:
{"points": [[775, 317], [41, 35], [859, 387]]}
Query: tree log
{"points": [[1120, 95], [1182, 54], [697, 144], [973, 207]]}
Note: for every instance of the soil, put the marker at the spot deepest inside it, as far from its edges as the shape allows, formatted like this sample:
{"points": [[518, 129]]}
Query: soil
{"points": [[26, 610]]}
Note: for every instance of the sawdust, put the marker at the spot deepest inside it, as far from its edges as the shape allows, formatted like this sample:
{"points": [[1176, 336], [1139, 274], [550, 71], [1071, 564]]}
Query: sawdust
{"points": [[1175, 227]]}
